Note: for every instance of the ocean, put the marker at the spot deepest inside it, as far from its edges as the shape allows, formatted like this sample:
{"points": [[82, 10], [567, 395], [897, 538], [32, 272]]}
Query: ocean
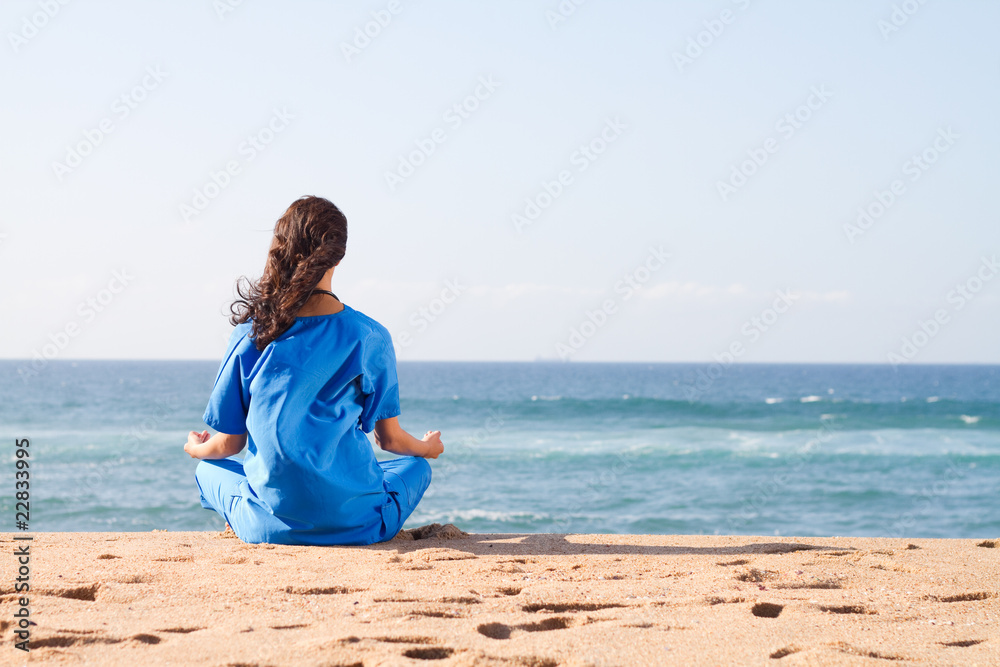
{"points": [[760, 449]]}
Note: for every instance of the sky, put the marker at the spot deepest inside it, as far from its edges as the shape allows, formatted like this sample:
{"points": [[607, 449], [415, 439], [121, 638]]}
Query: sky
{"points": [[528, 180]]}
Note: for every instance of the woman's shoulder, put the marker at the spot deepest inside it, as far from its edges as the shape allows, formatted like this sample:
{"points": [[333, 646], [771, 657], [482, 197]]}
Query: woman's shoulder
{"points": [[240, 335], [369, 326]]}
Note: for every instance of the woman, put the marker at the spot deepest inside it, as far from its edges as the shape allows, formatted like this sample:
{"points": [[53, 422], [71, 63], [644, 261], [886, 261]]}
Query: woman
{"points": [[303, 379]]}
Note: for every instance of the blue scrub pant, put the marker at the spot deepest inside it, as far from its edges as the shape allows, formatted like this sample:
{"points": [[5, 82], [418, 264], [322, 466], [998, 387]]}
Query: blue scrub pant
{"points": [[219, 480]]}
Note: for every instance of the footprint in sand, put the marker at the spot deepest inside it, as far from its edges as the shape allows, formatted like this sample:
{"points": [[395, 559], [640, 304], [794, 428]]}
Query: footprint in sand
{"points": [[422, 559], [963, 597], [509, 568], [459, 599], [231, 559], [890, 566], [753, 575], [964, 643], [494, 630], [87, 592], [328, 590], [819, 584], [560, 608], [134, 579], [66, 638], [502, 631], [441, 554], [180, 631], [435, 653], [437, 613], [396, 598], [554, 623], [714, 600], [783, 652], [844, 647], [766, 610], [847, 609], [405, 640], [781, 548]]}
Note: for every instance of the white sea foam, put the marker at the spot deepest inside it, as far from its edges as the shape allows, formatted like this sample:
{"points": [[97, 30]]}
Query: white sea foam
{"points": [[772, 401], [969, 420], [810, 399], [933, 399]]}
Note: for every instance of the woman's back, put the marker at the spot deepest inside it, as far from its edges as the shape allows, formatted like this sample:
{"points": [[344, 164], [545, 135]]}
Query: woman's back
{"points": [[305, 396]]}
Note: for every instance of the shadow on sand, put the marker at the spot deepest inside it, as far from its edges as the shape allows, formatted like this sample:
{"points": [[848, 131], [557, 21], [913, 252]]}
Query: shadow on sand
{"points": [[558, 544]]}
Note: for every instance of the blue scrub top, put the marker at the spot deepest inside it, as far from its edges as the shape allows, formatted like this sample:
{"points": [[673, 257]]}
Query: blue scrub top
{"points": [[306, 401]]}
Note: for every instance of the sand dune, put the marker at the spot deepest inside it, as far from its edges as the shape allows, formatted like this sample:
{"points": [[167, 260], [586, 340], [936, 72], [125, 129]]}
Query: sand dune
{"points": [[520, 600]]}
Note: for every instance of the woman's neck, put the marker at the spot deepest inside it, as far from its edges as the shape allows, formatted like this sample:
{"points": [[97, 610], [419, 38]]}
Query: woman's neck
{"points": [[322, 304]]}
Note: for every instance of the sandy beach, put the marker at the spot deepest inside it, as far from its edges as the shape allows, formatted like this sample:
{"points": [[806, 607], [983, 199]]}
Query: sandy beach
{"points": [[539, 600]]}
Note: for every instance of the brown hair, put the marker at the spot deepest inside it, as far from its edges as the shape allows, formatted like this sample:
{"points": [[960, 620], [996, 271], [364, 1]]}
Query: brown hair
{"points": [[309, 239]]}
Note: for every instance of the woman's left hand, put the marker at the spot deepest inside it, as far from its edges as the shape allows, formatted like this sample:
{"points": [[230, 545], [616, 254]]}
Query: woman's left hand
{"points": [[195, 439]]}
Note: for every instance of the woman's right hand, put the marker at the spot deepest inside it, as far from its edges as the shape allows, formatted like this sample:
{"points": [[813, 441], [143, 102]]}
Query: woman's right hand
{"points": [[434, 446], [195, 439]]}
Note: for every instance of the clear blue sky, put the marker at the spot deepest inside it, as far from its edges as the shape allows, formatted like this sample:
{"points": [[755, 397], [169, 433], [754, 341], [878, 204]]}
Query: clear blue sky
{"points": [[673, 129]]}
